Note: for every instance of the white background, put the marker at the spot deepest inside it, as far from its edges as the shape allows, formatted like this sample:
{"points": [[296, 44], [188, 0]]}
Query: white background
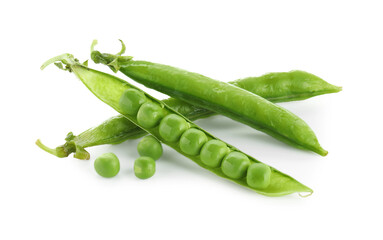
{"points": [[44, 197]]}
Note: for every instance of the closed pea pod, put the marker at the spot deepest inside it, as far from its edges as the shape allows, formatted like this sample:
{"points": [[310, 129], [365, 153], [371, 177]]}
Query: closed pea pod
{"points": [[110, 89], [221, 97]]}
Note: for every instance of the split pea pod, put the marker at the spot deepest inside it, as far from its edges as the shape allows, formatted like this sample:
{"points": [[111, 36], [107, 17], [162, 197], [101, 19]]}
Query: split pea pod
{"points": [[223, 98], [276, 87], [178, 132]]}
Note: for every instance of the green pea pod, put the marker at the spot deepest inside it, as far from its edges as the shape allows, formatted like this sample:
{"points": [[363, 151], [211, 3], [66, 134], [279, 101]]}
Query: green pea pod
{"points": [[226, 99], [113, 90], [275, 87]]}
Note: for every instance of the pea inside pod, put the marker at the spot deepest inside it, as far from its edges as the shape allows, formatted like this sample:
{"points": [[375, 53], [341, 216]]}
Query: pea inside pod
{"points": [[258, 176], [131, 101], [213, 152], [235, 165], [150, 114], [192, 141], [171, 127]]}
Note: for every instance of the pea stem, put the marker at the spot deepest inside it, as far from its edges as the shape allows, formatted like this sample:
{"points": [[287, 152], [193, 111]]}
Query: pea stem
{"points": [[58, 152]]}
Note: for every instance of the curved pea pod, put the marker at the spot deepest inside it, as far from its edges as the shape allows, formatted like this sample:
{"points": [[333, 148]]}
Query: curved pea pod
{"points": [[112, 91], [276, 87], [223, 98]]}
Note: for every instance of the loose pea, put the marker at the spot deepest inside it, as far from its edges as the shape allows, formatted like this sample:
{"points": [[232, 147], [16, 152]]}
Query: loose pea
{"points": [[131, 100], [144, 167], [149, 146], [107, 165], [171, 127], [192, 140], [258, 176], [213, 152], [235, 165], [149, 114]]}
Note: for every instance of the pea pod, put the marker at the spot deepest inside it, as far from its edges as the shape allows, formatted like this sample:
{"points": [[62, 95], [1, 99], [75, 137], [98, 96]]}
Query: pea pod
{"points": [[226, 99], [113, 91], [276, 87]]}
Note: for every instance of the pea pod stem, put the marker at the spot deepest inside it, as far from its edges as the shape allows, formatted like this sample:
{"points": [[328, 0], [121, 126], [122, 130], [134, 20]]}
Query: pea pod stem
{"points": [[64, 150], [58, 152], [226, 99], [109, 89]]}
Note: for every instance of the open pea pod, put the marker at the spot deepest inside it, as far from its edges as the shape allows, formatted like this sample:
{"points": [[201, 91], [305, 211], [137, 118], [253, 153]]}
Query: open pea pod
{"points": [[152, 115], [275, 87]]}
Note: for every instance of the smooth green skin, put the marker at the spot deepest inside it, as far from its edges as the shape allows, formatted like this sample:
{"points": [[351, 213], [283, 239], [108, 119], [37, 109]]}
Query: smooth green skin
{"points": [[276, 87], [149, 114], [132, 101], [226, 99], [109, 89], [172, 127], [107, 165], [213, 152], [258, 176], [235, 165], [149, 146], [192, 141], [144, 167], [286, 86]]}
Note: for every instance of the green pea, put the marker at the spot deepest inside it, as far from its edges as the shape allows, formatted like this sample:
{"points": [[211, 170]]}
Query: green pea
{"points": [[131, 100], [149, 146], [192, 140], [144, 167], [171, 127], [235, 165], [107, 165], [149, 114], [213, 152], [258, 176]]}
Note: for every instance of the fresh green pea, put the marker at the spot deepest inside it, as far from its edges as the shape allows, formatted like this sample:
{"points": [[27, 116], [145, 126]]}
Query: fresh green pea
{"points": [[213, 152], [107, 165], [192, 140], [258, 176], [144, 167], [235, 165], [131, 100], [149, 114], [149, 146], [171, 127]]}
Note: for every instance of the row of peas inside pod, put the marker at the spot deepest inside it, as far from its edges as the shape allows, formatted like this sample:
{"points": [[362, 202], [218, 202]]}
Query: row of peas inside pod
{"points": [[191, 141]]}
